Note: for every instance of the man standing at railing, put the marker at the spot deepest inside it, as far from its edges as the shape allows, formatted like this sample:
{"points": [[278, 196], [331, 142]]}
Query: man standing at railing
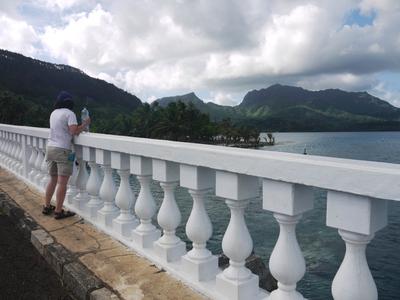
{"points": [[59, 156]]}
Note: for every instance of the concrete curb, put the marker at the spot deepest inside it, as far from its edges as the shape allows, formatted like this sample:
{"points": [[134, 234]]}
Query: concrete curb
{"points": [[77, 279]]}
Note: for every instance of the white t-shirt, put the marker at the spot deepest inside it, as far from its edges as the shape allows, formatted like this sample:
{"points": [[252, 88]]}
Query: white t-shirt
{"points": [[60, 136]]}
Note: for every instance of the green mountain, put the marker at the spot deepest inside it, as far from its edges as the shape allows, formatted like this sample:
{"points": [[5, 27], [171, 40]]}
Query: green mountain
{"points": [[28, 88], [187, 98], [215, 111], [294, 108], [289, 108]]}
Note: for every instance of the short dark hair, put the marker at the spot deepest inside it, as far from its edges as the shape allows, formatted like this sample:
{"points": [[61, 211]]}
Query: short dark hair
{"points": [[64, 100], [64, 104]]}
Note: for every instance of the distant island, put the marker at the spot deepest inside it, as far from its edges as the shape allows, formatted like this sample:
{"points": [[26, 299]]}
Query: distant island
{"points": [[28, 87]]}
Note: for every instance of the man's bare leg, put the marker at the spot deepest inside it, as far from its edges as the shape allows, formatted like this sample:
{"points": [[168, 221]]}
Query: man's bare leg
{"points": [[51, 186], [61, 191]]}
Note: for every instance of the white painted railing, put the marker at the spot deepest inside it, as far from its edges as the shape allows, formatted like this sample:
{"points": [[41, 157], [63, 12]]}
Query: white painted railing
{"points": [[356, 204]]}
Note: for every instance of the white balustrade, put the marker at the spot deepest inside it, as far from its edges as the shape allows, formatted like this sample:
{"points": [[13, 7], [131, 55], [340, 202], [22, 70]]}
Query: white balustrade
{"points": [[93, 184], [19, 165], [36, 165], [145, 233], [8, 150], [6, 147], [199, 263], [26, 153], [287, 265], [169, 247], [107, 191], [39, 162], [237, 282], [82, 197], [2, 146], [32, 159], [354, 205], [11, 160], [124, 199], [72, 189], [353, 279], [15, 153], [46, 177]]}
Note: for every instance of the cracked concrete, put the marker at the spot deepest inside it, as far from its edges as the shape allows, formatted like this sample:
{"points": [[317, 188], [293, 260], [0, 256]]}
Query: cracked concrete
{"points": [[130, 276]]}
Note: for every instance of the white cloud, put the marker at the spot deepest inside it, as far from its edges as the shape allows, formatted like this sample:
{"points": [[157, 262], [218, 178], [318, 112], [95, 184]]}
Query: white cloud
{"points": [[60, 4], [9, 6], [153, 48], [151, 98], [222, 98], [18, 36], [381, 90], [345, 81], [88, 41]]}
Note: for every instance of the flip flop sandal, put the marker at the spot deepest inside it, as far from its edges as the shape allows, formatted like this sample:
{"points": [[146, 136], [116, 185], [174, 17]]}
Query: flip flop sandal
{"points": [[63, 214], [48, 210]]}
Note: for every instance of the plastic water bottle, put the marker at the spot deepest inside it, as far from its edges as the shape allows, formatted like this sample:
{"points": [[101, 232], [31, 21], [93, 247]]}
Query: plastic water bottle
{"points": [[84, 117]]}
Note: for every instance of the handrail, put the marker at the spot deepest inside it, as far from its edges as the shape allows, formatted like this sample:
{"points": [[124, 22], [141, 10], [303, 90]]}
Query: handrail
{"points": [[356, 205], [345, 175]]}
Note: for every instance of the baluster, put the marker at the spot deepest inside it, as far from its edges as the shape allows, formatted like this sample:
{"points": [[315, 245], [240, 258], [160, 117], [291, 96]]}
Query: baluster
{"points": [[32, 159], [18, 155], [43, 167], [82, 197], [14, 153], [2, 144], [288, 202], [8, 150], [93, 184], [107, 190], [26, 154], [14, 165], [72, 189], [237, 282], [199, 263], [39, 162], [11, 152], [357, 218], [4, 149], [169, 247], [125, 200], [145, 233], [20, 168]]}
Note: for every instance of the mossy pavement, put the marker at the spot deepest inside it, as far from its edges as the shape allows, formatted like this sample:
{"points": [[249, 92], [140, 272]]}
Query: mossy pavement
{"points": [[120, 272]]}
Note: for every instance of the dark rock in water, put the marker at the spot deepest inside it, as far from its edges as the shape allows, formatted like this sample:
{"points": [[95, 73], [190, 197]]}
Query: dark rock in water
{"points": [[257, 266], [223, 261]]}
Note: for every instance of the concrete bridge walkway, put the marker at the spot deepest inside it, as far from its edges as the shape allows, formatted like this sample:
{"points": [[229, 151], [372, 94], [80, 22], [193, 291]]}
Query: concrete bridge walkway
{"points": [[91, 264]]}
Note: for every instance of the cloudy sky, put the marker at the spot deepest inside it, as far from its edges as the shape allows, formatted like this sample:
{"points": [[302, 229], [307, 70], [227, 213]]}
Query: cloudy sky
{"points": [[218, 49]]}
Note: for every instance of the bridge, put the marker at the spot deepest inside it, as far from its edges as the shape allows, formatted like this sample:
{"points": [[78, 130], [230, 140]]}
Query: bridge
{"points": [[357, 196]]}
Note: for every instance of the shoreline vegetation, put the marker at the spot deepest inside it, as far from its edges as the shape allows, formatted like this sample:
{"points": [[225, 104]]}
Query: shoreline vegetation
{"points": [[184, 123]]}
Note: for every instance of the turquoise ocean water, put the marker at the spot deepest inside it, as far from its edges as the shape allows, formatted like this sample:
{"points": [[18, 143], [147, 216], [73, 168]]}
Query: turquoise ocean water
{"points": [[322, 247]]}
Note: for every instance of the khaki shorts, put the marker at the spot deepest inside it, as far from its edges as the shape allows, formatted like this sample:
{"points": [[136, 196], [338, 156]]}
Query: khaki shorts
{"points": [[57, 161]]}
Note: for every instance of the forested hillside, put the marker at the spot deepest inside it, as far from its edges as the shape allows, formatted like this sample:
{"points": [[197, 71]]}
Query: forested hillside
{"points": [[28, 88]]}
